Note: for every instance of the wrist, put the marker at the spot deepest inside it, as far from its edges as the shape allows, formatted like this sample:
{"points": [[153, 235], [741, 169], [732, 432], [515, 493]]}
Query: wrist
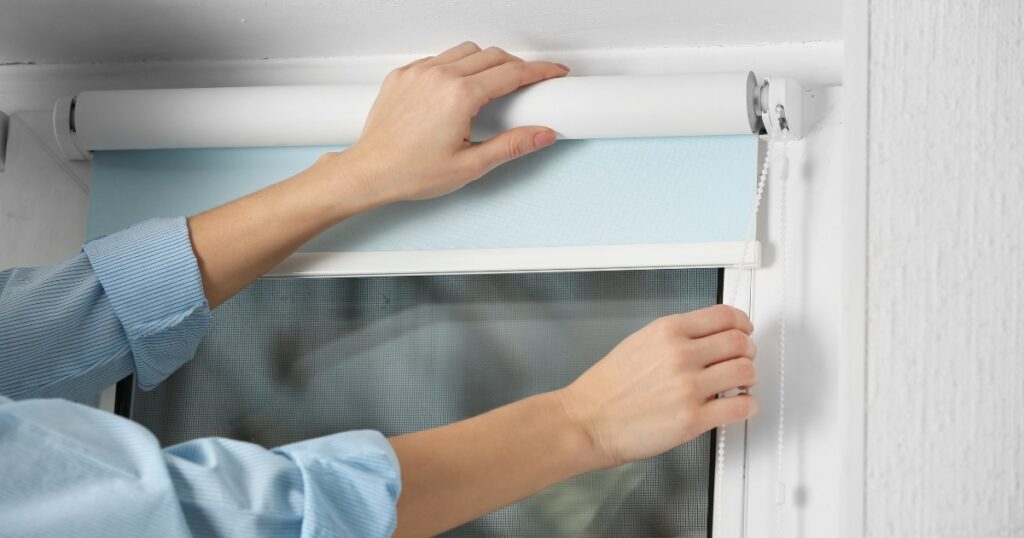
{"points": [[578, 427], [349, 183]]}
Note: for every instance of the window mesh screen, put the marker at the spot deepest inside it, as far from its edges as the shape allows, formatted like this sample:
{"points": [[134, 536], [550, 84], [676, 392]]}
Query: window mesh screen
{"points": [[290, 359]]}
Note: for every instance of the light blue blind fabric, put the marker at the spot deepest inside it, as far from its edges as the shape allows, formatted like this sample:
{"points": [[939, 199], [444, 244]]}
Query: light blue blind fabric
{"points": [[579, 192]]}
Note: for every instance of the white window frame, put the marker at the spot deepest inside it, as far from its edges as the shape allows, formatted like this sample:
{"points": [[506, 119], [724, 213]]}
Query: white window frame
{"points": [[823, 443], [730, 502], [730, 496], [518, 260]]}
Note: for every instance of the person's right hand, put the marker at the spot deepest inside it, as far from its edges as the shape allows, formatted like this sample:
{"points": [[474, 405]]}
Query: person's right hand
{"points": [[657, 389], [415, 143]]}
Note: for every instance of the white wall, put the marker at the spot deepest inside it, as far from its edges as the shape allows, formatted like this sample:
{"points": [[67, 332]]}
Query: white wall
{"points": [[945, 432], [62, 31], [44, 198]]}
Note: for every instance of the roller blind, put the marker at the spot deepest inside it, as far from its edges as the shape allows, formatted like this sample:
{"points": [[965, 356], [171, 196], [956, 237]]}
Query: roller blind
{"points": [[578, 193]]}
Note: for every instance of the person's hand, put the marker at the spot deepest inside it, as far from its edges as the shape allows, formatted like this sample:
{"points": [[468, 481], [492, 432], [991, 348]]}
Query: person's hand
{"points": [[656, 390], [415, 143]]}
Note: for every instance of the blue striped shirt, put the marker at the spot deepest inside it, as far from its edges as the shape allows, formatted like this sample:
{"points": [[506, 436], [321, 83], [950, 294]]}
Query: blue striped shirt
{"points": [[133, 303]]}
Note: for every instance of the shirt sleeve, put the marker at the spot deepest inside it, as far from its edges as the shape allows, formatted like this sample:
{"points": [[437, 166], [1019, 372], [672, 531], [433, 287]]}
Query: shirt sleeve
{"points": [[130, 302], [84, 472]]}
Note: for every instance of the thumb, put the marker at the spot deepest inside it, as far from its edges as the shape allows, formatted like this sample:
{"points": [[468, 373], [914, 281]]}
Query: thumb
{"points": [[510, 145]]}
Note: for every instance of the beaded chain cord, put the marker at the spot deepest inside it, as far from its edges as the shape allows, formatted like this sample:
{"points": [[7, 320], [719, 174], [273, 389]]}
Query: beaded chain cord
{"points": [[781, 171]]}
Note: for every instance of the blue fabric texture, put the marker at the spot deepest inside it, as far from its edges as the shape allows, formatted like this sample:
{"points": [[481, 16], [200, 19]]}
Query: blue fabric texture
{"points": [[132, 302], [677, 190]]}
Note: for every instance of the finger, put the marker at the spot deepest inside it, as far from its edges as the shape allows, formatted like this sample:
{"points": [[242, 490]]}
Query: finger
{"points": [[510, 76], [509, 145], [727, 375], [483, 60], [727, 410], [712, 320], [723, 346], [453, 54]]}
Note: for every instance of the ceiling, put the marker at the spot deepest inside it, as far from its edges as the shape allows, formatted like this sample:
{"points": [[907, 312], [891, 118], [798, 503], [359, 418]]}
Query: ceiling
{"points": [[78, 31]]}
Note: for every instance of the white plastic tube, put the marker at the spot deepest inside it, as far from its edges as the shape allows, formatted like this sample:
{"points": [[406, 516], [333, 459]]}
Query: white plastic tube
{"points": [[575, 107]]}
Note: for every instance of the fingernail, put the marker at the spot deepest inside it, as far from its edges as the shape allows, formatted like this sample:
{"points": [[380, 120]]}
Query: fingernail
{"points": [[563, 66], [543, 139]]}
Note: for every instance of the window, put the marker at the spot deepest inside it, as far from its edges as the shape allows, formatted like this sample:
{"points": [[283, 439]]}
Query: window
{"points": [[294, 358]]}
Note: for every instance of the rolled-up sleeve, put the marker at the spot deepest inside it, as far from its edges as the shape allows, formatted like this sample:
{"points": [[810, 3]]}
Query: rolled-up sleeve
{"points": [[130, 302], [346, 484], [150, 275], [84, 472]]}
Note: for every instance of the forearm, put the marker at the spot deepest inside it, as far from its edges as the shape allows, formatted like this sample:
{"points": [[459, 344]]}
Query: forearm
{"points": [[414, 146], [239, 241], [455, 473]]}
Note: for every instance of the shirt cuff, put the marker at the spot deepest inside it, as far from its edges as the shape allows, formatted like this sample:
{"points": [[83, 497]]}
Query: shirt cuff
{"points": [[151, 278], [351, 482]]}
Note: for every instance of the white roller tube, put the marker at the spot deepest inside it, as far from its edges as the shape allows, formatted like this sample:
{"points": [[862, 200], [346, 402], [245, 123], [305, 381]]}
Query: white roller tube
{"points": [[575, 107]]}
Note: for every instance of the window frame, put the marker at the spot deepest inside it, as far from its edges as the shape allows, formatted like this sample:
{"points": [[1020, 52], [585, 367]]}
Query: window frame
{"points": [[729, 491], [722, 256]]}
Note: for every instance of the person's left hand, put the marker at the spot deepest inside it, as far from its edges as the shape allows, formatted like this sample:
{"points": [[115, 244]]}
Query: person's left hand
{"points": [[415, 143]]}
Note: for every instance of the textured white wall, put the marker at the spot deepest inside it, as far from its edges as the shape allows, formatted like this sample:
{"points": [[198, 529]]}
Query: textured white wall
{"points": [[945, 432]]}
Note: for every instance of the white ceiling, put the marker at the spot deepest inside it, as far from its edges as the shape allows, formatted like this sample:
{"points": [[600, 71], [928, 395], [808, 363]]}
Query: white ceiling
{"points": [[72, 31]]}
